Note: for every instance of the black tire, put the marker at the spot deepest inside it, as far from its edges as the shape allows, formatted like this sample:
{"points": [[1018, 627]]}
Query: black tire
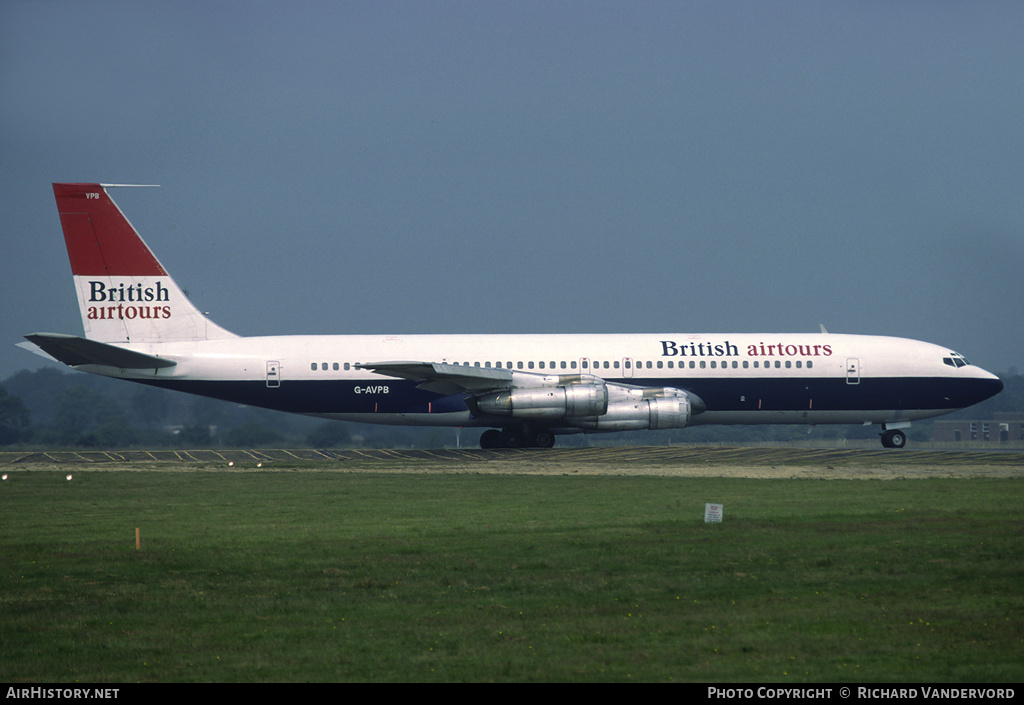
{"points": [[543, 439], [511, 438], [894, 439], [490, 439]]}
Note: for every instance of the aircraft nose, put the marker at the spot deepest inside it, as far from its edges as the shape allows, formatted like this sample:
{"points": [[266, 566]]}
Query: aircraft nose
{"points": [[997, 386], [988, 386]]}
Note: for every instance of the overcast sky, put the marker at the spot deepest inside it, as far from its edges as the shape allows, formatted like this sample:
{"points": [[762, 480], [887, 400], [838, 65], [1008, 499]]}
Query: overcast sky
{"points": [[590, 167]]}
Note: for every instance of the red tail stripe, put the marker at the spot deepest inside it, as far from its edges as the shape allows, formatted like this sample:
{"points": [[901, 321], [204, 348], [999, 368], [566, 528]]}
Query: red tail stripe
{"points": [[100, 240]]}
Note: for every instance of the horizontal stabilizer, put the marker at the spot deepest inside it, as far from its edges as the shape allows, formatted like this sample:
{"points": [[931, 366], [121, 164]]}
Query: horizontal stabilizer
{"points": [[74, 351]]}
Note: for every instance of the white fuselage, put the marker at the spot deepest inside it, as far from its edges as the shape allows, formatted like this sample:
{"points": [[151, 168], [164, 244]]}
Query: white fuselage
{"points": [[742, 378]]}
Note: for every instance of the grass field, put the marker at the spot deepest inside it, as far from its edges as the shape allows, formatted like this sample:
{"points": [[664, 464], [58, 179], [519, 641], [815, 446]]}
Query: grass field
{"points": [[316, 575]]}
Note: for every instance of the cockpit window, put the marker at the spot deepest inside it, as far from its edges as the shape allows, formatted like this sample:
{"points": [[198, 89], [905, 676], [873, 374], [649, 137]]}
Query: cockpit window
{"points": [[955, 360]]}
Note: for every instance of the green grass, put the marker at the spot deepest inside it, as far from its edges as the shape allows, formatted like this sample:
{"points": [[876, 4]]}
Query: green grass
{"points": [[292, 576]]}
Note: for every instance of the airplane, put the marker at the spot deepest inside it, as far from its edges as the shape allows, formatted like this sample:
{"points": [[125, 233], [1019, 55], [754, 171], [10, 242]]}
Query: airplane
{"points": [[525, 389]]}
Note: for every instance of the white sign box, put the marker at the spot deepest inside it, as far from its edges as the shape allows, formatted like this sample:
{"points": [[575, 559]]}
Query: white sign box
{"points": [[712, 513]]}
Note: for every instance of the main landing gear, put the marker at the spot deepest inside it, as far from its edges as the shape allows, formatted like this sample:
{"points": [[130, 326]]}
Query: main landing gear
{"points": [[893, 438], [517, 437]]}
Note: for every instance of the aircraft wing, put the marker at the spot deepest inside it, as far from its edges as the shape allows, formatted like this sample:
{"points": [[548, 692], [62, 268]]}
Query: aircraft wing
{"points": [[443, 378], [74, 351]]}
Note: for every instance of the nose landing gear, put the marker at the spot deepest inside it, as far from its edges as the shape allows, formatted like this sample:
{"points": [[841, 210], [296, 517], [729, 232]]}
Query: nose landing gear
{"points": [[894, 438]]}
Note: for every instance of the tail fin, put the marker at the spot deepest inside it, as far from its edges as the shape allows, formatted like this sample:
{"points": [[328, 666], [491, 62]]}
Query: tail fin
{"points": [[125, 294]]}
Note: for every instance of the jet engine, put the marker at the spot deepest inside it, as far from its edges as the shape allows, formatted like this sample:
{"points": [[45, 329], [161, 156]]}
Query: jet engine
{"points": [[567, 401], [654, 413]]}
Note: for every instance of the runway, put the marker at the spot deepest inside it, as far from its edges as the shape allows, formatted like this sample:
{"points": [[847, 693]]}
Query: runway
{"points": [[629, 460]]}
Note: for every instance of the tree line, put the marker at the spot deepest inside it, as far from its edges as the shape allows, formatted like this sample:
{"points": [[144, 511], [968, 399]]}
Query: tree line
{"points": [[56, 408]]}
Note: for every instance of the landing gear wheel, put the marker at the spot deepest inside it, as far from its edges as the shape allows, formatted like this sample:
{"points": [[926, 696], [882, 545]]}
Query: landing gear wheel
{"points": [[516, 438], [543, 439], [894, 439], [490, 439], [511, 438]]}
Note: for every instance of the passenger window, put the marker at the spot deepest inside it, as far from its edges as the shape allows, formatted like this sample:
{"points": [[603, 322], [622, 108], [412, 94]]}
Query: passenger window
{"points": [[746, 364], [810, 364], [313, 367], [703, 364], [335, 366]]}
